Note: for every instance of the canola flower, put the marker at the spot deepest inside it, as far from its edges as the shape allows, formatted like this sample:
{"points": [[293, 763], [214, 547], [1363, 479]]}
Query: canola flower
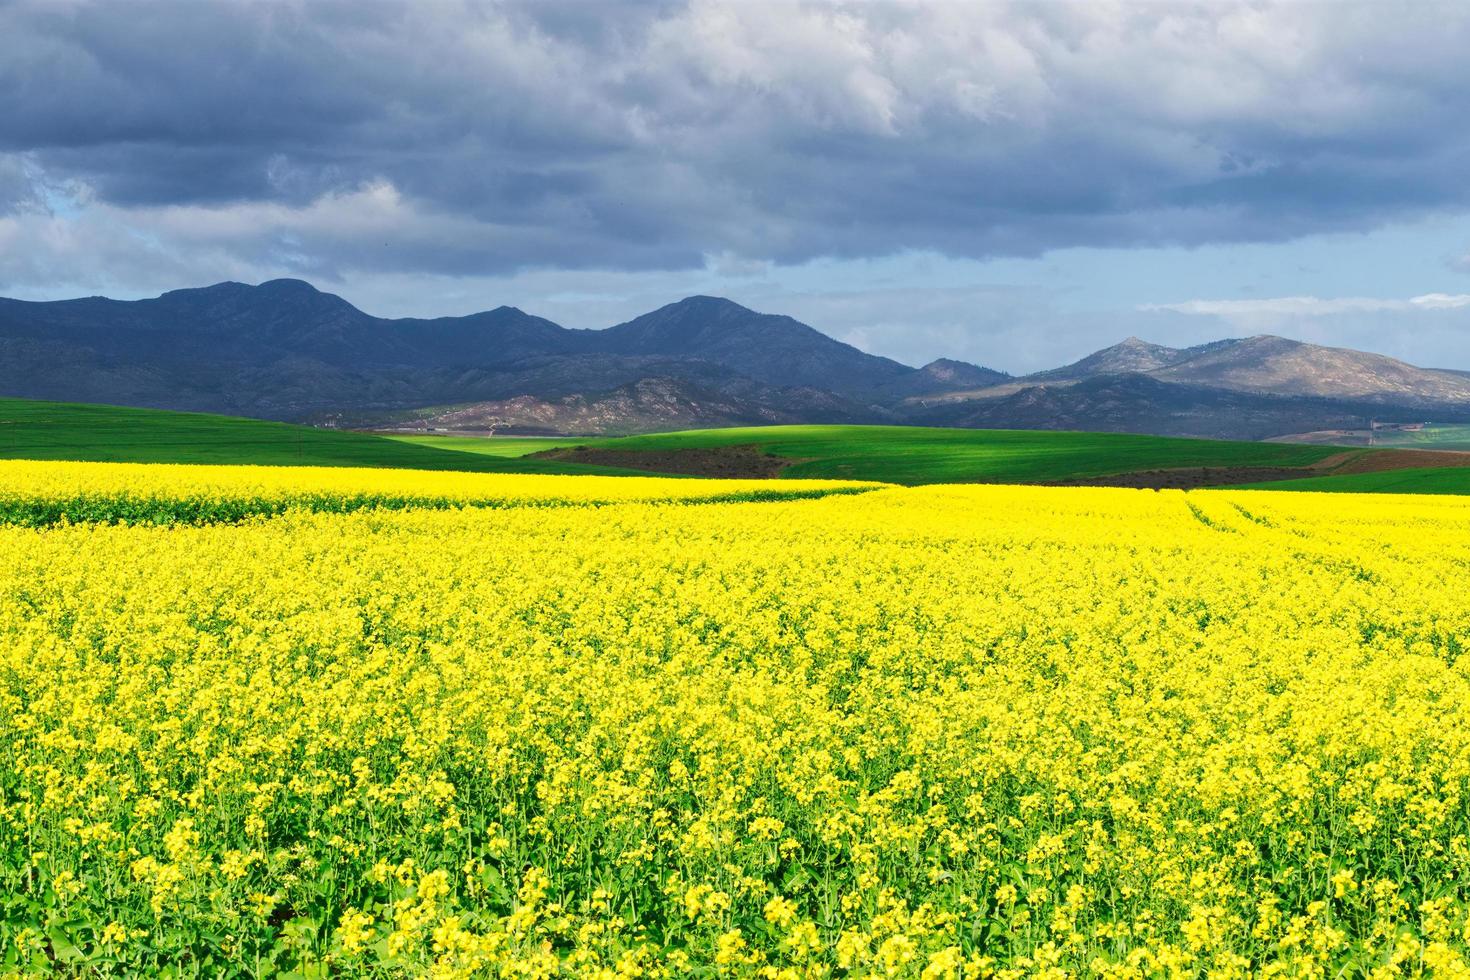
{"points": [[939, 732], [41, 493]]}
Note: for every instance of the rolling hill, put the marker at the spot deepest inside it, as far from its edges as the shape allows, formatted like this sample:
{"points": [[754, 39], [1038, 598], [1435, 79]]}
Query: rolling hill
{"points": [[1439, 480], [916, 455], [108, 433], [892, 454]]}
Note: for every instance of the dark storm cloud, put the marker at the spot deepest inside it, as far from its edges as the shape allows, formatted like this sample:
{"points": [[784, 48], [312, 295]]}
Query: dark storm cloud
{"points": [[480, 138], [18, 190]]}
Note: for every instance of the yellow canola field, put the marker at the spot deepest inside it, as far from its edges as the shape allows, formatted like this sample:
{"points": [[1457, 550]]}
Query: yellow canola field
{"points": [[943, 732], [44, 492]]}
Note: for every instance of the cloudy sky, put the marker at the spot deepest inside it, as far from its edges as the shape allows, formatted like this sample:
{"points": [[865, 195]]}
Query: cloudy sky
{"points": [[1014, 184]]}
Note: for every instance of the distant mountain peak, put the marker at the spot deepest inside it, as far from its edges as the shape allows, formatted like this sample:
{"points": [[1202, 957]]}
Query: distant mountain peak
{"points": [[1134, 342], [704, 306], [942, 375], [1271, 365], [279, 287], [227, 287], [1272, 342], [1132, 355], [282, 294], [700, 299], [769, 347], [950, 368], [288, 286]]}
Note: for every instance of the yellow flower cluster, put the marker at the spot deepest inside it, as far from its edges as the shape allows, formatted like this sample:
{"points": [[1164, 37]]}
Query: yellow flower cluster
{"points": [[941, 732], [39, 493]]}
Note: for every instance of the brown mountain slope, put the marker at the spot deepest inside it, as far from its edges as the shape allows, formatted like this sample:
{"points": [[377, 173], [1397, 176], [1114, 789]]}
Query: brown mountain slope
{"points": [[1130, 356], [1261, 365], [1279, 366], [650, 404]]}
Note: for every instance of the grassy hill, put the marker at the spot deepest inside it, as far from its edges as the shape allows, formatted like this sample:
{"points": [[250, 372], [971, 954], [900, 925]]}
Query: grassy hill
{"points": [[893, 454], [108, 433], [1435, 436], [1440, 480], [504, 447], [909, 455]]}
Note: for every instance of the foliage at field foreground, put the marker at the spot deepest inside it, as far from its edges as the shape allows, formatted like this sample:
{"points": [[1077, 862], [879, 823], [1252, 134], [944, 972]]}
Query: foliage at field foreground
{"points": [[953, 731], [36, 494]]}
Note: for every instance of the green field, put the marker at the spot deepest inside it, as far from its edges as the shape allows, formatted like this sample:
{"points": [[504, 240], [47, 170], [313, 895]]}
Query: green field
{"points": [[911, 455], [892, 454], [109, 433], [1436, 436], [1446, 479], [505, 447]]}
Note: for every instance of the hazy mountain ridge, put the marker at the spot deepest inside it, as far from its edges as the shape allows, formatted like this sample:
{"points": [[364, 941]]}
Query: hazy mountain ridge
{"points": [[1277, 365], [1129, 356], [942, 376], [1143, 403], [1271, 365], [284, 349], [660, 403]]}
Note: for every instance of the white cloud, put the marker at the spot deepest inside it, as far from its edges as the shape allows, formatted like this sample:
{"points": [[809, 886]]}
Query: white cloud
{"points": [[1310, 306], [1440, 301]]}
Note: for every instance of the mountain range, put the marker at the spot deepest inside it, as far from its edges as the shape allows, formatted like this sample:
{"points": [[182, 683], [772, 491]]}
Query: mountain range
{"points": [[285, 350]]}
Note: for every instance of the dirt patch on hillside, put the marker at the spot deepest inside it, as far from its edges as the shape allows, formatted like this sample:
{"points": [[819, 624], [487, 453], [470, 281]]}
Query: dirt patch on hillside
{"points": [[1338, 464], [1190, 478], [725, 462], [1381, 460], [749, 463]]}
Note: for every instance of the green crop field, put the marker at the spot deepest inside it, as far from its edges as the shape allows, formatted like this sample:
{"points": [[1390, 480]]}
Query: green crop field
{"points": [[892, 454], [911, 455], [505, 447], [1435, 436], [109, 433], [1438, 480]]}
